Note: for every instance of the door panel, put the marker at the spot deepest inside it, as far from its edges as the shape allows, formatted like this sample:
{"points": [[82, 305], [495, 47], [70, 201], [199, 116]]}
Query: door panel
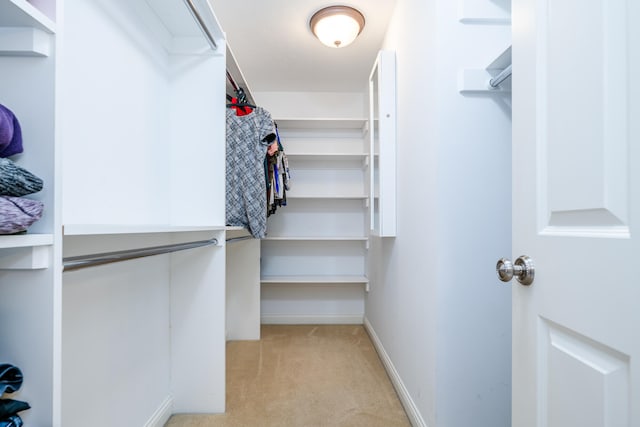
{"points": [[576, 212], [582, 115], [584, 382]]}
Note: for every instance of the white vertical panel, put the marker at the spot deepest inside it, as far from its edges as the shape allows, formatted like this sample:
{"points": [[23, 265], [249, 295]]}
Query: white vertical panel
{"points": [[116, 342], [586, 182], [574, 344], [116, 145], [198, 330], [197, 141], [583, 382], [243, 290]]}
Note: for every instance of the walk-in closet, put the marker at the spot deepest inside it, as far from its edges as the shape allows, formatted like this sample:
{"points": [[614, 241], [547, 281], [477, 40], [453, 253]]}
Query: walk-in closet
{"points": [[126, 290], [199, 195], [124, 293]]}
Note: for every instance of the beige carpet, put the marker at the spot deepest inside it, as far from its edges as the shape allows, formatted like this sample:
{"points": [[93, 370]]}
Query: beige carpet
{"points": [[305, 376]]}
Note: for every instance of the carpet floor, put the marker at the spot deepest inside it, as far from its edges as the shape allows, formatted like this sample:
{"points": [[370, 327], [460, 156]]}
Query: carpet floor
{"points": [[305, 376]]}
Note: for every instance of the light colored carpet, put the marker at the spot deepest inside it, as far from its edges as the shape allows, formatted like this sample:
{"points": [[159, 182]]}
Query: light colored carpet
{"points": [[305, 376]]}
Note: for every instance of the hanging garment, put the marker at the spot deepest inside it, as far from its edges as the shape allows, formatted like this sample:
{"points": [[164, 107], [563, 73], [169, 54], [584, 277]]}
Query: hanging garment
{"points": [[284, 164], [239, 109], [277, 181], [248, 137]]}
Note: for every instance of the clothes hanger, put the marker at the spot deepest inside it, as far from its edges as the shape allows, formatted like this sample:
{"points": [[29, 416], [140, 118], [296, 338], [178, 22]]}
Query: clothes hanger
{"points": [[242, 99]]}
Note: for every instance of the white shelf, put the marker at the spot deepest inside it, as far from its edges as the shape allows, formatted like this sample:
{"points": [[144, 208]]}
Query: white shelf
{"points": [[321, 123], [25, 251], [24, 42], [20, 13], [326, 158], [314, 279], [104, 229], [483, 13], [317, 238], [328, 196], [24, 30], [334, 154], [25, 240]]}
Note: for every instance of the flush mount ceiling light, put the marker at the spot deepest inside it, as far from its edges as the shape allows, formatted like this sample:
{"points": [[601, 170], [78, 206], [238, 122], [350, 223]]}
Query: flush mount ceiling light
{"points": [[337, 26]]}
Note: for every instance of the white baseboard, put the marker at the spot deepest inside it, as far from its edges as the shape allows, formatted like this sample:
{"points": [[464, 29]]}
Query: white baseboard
{"points": [[162, 414], [312, 319], [407, 402]]}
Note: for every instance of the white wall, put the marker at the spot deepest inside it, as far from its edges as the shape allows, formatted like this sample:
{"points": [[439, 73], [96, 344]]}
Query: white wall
{"points": [[435, 304], [116, 337], [313, 104]]}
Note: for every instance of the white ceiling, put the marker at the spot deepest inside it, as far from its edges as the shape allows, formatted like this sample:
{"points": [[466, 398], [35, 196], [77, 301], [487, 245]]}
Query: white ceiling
{"points": [[276, 50]]}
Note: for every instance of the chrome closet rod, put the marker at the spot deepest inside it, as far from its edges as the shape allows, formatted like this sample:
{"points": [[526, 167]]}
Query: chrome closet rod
{"points": [[504, 74], [232, 81], [201, 23], [237, 239], [84, 261]]}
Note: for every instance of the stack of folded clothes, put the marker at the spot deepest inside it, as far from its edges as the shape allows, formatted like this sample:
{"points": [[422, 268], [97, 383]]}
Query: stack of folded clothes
{"points": [[10, 382], [17, 213]]}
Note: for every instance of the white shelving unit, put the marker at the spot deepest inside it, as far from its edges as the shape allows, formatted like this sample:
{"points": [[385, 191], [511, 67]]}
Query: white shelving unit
{"points": [[123, 93], [320, 237], [382, 138], [30, 284]]}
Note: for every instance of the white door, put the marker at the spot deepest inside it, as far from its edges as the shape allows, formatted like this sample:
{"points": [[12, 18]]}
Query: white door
{"points": [[576, 196]]}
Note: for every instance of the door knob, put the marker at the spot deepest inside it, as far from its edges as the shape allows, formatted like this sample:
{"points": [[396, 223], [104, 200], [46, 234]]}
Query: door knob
{"points": [[522, 268]]}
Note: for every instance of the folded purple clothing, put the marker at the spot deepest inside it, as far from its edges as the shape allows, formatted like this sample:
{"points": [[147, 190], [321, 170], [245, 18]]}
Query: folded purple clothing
{"points": [[10, 133], [17, 214]]}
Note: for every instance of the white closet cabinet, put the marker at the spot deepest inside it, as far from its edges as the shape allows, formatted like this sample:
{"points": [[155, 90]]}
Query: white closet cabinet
{"points": [[30, 281], [320, 237], [121, 104], [382, 139]]}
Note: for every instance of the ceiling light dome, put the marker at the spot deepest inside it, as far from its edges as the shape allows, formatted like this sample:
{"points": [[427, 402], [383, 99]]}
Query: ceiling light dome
{"points": [[337, 26]]}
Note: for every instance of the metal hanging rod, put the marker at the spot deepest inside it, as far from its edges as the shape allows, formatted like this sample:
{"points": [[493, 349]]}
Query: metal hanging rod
{"points": [[232, 81], [209, 37], [202, 24], [237, 239], [504, 74], [84, 261]]}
